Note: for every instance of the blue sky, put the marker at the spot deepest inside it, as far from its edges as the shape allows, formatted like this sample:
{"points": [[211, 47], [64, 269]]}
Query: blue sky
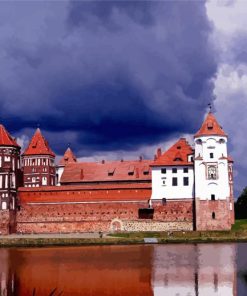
{"points": [[117, 79]]}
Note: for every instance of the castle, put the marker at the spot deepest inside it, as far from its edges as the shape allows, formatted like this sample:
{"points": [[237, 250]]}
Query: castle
{"points": [[183, 188]]}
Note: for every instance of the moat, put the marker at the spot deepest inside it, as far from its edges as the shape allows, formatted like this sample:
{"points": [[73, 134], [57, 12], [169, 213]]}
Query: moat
{"points": [[171, 269]]}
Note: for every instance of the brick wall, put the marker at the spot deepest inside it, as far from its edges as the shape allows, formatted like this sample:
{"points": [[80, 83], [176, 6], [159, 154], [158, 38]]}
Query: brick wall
{"points": [[86, 217], [7, 222], [204, 215], [171, 211]]}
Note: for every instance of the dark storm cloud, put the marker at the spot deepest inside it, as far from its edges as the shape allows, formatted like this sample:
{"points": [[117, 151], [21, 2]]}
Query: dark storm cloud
{"points": [[117, 74]]}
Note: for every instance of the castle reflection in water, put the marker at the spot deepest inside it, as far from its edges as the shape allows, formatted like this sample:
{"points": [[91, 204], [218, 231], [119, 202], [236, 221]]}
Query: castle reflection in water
{"points": [[173, 270]]}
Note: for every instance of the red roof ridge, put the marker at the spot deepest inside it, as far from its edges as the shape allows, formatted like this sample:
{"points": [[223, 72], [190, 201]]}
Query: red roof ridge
{"points": [[38, 145], [175, 155], [210, 126], [6, 139]]}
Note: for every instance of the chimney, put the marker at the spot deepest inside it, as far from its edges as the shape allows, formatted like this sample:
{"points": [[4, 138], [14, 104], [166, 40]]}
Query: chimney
{"points": [[158, 152], [121, 160], [140, 158], [137, 173], [82, 175], [155, 157], [103, 161]]}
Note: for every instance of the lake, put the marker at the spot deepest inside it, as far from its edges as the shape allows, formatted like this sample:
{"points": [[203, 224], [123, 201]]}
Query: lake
{"points": [[171, 269]]}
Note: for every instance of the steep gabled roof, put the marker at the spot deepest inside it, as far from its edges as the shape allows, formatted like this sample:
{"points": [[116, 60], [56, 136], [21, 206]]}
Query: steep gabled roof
{"points": [[68, 157], [176, 155], [105, 171], [6, 139], [210, 126], [38, 145]]}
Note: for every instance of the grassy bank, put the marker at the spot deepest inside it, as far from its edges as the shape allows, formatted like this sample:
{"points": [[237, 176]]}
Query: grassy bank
{"points": [[237, 234]]}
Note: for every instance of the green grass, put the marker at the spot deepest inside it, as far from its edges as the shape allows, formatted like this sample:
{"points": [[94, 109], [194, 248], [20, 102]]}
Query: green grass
{"points": [[240, 225]]}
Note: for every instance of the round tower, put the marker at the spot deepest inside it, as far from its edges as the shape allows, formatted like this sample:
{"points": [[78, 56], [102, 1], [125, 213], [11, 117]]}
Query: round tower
{"points": [[38, 162]]}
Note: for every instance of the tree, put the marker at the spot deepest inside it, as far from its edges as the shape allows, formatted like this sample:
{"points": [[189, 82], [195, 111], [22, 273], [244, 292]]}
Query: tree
{"points": [[241, 205]]}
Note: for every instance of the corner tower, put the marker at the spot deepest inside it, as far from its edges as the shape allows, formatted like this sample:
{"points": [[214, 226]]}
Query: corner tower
{"points": [[213, 177], [10, 179], [68, 157], [38, 162]]}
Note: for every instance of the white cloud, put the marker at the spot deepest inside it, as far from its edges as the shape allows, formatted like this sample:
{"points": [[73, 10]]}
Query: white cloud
{"points": [[230, 20]]}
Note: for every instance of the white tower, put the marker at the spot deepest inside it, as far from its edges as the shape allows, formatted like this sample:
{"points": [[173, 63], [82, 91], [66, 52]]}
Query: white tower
{"points": [[213, 199]]}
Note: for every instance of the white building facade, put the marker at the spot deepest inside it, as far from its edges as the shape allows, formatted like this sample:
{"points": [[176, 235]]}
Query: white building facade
{"points": [[202, 174]]}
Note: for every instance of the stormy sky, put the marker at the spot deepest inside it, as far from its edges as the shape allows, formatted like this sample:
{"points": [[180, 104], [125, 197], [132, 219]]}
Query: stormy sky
{"points": [[120, 78]]}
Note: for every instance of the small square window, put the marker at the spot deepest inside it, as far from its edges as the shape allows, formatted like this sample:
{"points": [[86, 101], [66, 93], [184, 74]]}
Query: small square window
{"points": [[174, 170], [186, 181], [186, 170], [212, 196], [211, 155], [163, 171], [174, 181]]}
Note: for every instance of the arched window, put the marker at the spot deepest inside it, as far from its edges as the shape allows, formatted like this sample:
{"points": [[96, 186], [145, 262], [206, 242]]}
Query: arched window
{"points": [[44, 180], [4, 205], [213, 215]]}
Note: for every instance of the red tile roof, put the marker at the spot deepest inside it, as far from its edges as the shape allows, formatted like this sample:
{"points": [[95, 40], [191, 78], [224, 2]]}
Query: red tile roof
{"points": [[176, 155], [6, 139], [68, 157], [97, 193], [138, 170], [38, 145], [210, 126]]}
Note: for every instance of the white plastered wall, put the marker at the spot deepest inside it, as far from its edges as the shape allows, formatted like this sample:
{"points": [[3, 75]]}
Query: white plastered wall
{"points": [[167, 190], [204, 187]]}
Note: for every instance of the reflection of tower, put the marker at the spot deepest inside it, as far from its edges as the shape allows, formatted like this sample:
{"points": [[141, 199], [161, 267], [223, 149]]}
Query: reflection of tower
{"points": [[203, 269], [8, 283]]}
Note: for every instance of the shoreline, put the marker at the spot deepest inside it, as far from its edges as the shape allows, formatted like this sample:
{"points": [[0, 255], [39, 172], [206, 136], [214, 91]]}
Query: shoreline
{"points": [[90, 239]]}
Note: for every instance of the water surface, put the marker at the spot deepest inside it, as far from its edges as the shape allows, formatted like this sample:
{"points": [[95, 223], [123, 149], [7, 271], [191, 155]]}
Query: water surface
{"points": [[172, 269]]}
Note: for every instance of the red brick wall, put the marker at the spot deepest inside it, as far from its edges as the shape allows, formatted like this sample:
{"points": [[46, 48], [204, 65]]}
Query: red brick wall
{"points": [[204, 210], [7, 222], [173, 211], [86, 217]]}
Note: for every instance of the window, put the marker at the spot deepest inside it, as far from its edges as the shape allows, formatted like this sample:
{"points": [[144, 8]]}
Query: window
{"points": [[164, 182], [163, 171], [211, 155], [174, 170], [213, 215], [4, 205], [186, 181], [163, 201], [186, 170], [44, 181], [212, 172], [174, 181], [212, 196], [7, 158]]}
